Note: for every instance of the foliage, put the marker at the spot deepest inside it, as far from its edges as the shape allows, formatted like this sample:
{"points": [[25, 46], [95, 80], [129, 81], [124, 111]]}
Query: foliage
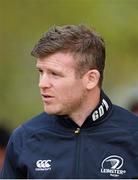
{"points": [[24, 21]]}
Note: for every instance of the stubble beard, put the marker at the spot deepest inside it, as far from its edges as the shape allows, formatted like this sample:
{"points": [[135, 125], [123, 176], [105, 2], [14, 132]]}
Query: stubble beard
{"points": [[67, 108], [76, 106]]}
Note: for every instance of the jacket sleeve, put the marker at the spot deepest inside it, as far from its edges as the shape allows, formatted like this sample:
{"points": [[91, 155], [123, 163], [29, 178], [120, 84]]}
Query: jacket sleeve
{"points": [[11, 168], [136, 150]]}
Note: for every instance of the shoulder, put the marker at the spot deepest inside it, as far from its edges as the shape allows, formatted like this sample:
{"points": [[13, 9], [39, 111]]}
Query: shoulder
{"points": [[123, 119], [39, 122], [121, 113]]}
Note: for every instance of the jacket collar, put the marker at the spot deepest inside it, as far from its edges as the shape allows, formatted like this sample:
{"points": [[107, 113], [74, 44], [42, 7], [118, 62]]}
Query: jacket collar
{"points": [[98, 115]]}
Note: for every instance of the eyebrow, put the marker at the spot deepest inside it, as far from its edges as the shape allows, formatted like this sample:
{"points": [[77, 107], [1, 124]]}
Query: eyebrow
{"points": [[38, 67]]}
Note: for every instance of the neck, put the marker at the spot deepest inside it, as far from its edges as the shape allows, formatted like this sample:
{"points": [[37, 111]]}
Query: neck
{"points": [[86, 108]]}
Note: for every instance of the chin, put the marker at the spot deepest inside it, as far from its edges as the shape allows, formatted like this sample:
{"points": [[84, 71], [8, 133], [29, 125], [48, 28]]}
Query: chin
{"points": [[51, 112]]}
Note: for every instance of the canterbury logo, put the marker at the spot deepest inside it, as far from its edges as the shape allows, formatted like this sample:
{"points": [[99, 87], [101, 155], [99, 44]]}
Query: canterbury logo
{"points": [[43, 165]]}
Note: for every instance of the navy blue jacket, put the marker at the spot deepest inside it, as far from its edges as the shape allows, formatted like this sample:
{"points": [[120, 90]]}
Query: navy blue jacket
{"points": [[49, 146]]}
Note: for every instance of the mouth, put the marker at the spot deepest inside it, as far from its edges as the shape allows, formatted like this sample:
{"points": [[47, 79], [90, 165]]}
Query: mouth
{"points": [[46, 97]]}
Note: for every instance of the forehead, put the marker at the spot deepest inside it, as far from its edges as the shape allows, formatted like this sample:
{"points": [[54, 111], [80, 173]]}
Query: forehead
{"points": [[56, 60]]}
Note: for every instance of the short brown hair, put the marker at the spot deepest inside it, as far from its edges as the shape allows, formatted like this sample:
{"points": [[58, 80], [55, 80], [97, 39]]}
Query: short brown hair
{"points": [[83, 43]]}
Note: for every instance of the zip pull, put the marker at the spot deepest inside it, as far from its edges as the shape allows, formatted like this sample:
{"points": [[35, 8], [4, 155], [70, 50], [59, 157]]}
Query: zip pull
{"points": [[77, 131]]}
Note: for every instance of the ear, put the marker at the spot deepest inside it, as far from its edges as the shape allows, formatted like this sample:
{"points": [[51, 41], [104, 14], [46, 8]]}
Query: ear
{"points": [[91, 79]]}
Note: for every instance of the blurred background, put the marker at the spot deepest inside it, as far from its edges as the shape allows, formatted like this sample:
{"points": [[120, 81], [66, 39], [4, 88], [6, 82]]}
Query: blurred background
{"points": [[24, 21]]}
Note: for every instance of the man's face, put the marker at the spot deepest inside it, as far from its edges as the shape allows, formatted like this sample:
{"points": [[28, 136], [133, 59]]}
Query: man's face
{"points": [[62, 92]]}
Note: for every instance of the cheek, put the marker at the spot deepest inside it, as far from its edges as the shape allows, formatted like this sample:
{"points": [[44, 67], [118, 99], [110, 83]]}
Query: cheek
{"points": [[71, 93], [68, 89]]}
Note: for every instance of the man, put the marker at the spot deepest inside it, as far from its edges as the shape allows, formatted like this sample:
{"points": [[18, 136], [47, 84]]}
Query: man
{"points": [[80, 134], [4, 137]]}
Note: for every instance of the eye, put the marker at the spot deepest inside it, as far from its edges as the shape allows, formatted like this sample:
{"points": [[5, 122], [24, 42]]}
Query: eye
{"points": [[54, 73], [40, 71]]}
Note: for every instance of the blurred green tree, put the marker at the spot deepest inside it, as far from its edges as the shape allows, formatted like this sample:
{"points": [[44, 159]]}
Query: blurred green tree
{"points": [[24, 21]]}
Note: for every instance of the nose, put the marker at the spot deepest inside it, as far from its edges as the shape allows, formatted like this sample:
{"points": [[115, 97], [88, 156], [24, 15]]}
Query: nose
{"points": [[44, 82]]}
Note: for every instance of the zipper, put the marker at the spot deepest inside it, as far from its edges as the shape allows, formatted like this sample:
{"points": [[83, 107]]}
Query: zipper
{"points": [[78, 143], [77, 131]]}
